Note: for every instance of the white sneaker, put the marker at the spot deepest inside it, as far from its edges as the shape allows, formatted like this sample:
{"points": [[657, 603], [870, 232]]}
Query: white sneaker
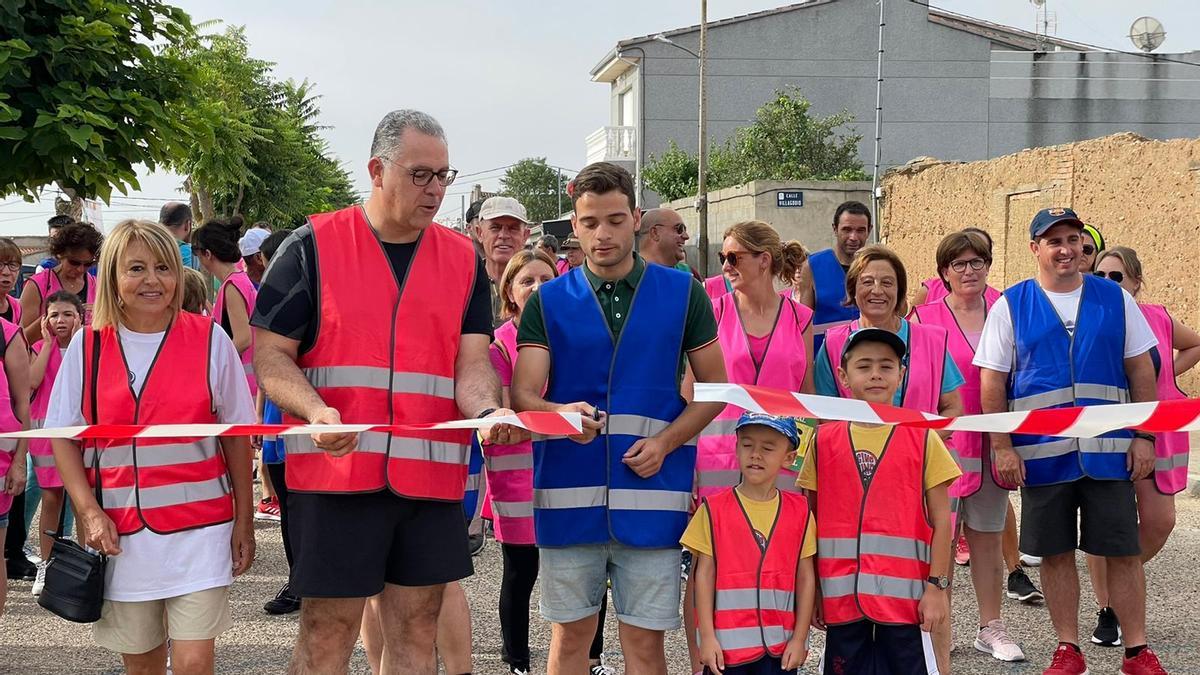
{"points": [[31, 554], [1031, 560], [40, 581], [994, 640]]}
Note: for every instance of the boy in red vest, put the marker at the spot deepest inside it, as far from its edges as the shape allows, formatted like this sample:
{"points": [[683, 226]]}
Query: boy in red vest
{"points": [[754, 580], [883, 524]]}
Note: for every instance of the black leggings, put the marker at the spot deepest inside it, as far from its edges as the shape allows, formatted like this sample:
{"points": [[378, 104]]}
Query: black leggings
{"points": [[279, 482], [516, 588]]}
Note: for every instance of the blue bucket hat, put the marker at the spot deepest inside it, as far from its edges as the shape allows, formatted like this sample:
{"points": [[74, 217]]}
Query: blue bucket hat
{"points": [[784, 425]]}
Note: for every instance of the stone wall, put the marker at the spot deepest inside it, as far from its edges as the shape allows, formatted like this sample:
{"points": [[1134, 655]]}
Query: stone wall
{"points": [[1139, 193]]}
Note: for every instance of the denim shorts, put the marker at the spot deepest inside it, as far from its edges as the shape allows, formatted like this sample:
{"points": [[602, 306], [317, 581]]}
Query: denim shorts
{"points": [[645, 584]]}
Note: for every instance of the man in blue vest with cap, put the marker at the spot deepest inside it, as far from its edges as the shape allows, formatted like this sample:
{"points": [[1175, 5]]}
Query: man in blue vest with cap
{"points": [[1059, 340], [609, 339], [823, 277]]}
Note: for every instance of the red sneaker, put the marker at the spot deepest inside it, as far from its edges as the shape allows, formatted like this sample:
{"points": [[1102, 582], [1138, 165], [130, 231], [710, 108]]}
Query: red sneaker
{"points": [[1066, 661], [962, 553], [268, 509], [1145, 663]]}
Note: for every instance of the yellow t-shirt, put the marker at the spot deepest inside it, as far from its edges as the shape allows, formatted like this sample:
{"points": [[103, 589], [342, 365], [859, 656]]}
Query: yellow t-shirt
{"points": [[698, 536], [939, 465]]}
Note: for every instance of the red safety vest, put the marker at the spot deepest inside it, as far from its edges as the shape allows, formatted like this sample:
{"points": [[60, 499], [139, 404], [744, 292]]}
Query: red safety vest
{"points": [[873, 542], [755, 605], [385, 354], [164, 484]]}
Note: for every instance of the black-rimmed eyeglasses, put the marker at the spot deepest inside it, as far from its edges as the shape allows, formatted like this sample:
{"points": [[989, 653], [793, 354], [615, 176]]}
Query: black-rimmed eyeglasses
{"points": [[960, 266], [422, 176]]}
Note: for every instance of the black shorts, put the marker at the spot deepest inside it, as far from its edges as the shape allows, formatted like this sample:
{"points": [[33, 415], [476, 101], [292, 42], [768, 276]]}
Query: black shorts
{"points": [[350, 545], [866, 647], [1096, 516], [767, 665]]}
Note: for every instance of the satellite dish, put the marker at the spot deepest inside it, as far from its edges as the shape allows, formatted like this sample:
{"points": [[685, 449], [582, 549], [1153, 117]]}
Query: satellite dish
{"points": [[1147, 33], [1038, 3]]}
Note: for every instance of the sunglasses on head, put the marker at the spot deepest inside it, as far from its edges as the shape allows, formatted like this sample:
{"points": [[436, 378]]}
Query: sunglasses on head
{"points": [[733, 256], [1115, 276], [1088, 249]]}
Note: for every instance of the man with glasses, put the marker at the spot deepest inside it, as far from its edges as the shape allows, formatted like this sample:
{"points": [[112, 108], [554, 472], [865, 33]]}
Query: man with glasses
{"points": [[375, 314], [662, 237]]}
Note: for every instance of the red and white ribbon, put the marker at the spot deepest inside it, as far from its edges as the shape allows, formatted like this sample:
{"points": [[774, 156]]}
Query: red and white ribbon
{"points": [[548, 423], [1080, 422]]}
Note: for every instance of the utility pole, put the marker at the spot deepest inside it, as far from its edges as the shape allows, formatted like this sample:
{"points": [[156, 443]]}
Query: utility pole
{"points": [[558, 190], [702, 151], [878, 130]]}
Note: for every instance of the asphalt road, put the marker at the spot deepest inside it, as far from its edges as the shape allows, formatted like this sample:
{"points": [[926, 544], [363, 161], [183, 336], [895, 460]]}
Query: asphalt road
{"points": [[32, 641]]}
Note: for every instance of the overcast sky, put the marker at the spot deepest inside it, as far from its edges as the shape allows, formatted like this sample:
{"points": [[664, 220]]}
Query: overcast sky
{"points": [[509, 79]]}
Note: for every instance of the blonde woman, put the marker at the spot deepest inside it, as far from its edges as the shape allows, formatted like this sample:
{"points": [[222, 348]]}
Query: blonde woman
{"points": [[174, 513]]}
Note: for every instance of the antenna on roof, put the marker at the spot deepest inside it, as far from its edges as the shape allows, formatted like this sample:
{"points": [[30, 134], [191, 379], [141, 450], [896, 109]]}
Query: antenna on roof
{"points": [[1045, 21], [1147, 33]]}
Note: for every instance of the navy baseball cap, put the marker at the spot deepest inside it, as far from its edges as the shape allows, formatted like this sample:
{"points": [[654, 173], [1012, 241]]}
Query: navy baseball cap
{"points": [[784, 425], [886, 337], [1048, 218]]}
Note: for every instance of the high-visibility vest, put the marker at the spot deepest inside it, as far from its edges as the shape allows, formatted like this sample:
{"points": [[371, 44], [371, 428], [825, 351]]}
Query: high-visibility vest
{"points": [[717, 286], [41, 453], [1054, 369], [873, 542], [8, 416], [47, 283], [164, 484], [829, 292], [754, 611], [385, 354], [924, 363], [783, 367], [509, 470], [1170, 448], [967, 447], [240, 283], [585, 494], [936, 290]]}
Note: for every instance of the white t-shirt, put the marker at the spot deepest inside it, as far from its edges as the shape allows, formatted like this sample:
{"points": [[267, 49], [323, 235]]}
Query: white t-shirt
{"points": [[156, 566], [997, 344]]}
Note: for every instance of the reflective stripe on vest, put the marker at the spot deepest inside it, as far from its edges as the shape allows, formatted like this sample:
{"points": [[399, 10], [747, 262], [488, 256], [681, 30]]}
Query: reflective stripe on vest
{"points": [[164, 484], [387, 356], [924, 363], [585, 494], [754, 605], [873, 543], [1171, 449], [784, 365], [1053, 368]]}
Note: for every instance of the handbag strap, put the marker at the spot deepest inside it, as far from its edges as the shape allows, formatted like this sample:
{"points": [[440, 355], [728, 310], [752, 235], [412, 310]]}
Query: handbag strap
{"points": [[62, 512]]}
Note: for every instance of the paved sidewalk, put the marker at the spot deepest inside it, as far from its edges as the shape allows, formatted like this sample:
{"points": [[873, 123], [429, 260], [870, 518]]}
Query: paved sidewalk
{"points": [[34, 642]]}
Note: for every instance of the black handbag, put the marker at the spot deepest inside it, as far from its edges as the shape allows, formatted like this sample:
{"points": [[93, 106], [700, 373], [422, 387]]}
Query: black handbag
{"points": [[74, 575]]}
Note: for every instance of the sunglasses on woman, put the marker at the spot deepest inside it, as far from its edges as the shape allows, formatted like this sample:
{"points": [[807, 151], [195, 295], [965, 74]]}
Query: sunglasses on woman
{"points": [[1115, 276], [1088, 249], [733, 256]]}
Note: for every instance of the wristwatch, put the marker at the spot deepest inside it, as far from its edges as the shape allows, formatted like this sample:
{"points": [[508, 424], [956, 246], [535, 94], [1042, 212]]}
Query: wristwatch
{"points": [[942, 583], [485, 413]]}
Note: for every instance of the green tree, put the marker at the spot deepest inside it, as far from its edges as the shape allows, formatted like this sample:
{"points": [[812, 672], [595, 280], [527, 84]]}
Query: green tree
{"points": [[784, 143], [539, 187], [84, 97]]}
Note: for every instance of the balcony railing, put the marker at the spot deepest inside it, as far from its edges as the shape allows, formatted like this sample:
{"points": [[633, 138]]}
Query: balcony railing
{"points": [[612, 144]]}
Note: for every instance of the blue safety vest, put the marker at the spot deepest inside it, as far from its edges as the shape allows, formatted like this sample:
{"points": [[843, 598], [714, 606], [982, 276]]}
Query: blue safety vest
{"points": [[1055, 369], [829, 290], [472, 505], [584, 494]]}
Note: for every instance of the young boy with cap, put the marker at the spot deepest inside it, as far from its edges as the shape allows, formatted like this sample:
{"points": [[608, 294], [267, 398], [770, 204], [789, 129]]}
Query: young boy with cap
{"points": [[754, 580], [882, 510]]}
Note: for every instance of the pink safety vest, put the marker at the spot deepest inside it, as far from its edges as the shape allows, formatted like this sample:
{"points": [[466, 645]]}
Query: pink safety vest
{"points": [[242, 284], [716, 286], [41, 453], [937, 291], [783, 367], [967, 447], [8, 416], [1170, 449], [15, 303], [509, 498], [47, 283], [926, 361], [562, 266]]}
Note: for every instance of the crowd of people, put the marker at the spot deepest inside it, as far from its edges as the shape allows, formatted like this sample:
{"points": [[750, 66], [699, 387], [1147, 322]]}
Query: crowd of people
{"points": [[749, 529]]}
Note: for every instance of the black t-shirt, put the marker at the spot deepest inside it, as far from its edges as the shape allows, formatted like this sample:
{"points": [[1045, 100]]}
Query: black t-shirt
{"points": [[286, 302]]}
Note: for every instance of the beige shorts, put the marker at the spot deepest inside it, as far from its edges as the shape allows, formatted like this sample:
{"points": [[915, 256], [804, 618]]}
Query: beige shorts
{"points": [[138, 627]]}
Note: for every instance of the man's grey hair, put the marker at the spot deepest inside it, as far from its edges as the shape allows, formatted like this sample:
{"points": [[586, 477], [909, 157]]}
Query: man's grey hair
{"points": [[386, 142]]}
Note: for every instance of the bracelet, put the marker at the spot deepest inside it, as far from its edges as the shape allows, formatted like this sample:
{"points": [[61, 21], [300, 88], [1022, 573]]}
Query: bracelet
{"points": [[1144, 436], [485, 413]]}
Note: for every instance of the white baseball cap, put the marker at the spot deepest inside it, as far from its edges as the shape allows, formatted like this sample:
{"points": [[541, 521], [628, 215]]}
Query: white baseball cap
{"points": [[251, 242], [498, 207]]}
